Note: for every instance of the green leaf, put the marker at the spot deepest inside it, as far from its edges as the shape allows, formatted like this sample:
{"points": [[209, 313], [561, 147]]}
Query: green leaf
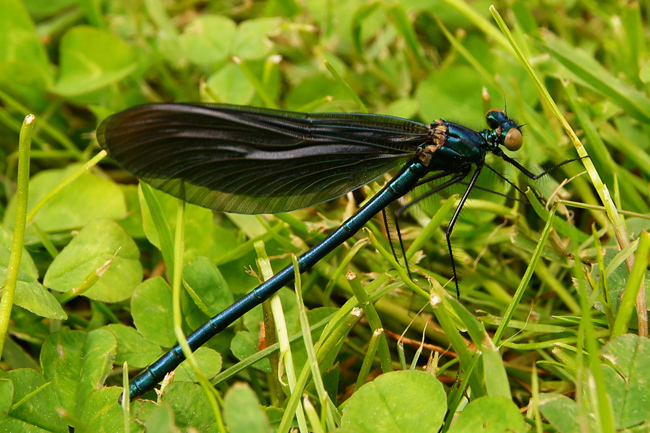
{"points": [[231, 86], [490, 414], [101, 413], [562, 413], [397, 14], [86, 199], [208, 39], [406, 108], [100, 242], [627, 379], [191, 407], [255, 317], [141, 409], [616, 279], [6, 398], [132, 224], [38, 413], [593, 73], [23, 59], [246, 344], [209, 362], [133, 347], [161, 419], [151, 307], [495, 376], [379, 406], [456, 91], [45, 8], [92, 58], [30, 294], [206, 286], [77, 363], [360, 15], [644, 73], [242, 412], [626, 373], [251, 41], [27, 264], [198, 224]]}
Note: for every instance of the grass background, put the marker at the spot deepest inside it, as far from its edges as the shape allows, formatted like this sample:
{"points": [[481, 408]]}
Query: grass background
{"points": [[555, 322]]}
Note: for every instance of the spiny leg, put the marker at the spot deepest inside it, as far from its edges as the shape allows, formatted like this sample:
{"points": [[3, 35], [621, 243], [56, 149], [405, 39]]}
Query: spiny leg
{"points": [[452, 223], [529, 173], [436, 176], [509, 197], [435, 190], [389, 234], [454, 180], [506, 179]]}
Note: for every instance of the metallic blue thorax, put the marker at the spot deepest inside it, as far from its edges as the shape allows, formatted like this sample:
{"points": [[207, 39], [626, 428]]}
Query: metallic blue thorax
{"points": [[463, 146]]}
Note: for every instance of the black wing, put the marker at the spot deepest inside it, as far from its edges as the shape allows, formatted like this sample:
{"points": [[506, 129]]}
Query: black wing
{"points": [[252, 160]]}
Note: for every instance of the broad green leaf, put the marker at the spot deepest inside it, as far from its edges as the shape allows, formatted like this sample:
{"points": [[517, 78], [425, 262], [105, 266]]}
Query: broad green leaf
{"points": [[132, 224], [207, 287], [45, 8], [92, 58], [133, 347], [101, 413], [456, 91], [191, 407], [30, 294], [24, 65], [98, 243], [151, 307], [312, 88], [231, 86], [401, 401], [38, 413], [6, 398], [246, 344], [627, 379], [27, 264], [248, 224], [141, 408], [209, 362], [251, 41], [224, 242], [242, 412], [77, 364], [490, 414], [406, 108], [562, 413], [198, 224], [161, 419], [208, 39], [627, 362], [86, 199]]}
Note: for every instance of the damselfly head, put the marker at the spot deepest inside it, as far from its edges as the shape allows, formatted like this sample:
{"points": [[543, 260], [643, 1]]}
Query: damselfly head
{"points": [[506, 129]]}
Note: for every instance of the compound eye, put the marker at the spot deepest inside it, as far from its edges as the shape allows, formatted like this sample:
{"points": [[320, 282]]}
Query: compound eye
{"points": [[494, 118], [513, 140]]}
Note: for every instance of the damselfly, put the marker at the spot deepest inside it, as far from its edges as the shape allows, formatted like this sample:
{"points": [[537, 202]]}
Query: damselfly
{"points": [[253, 160]]}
